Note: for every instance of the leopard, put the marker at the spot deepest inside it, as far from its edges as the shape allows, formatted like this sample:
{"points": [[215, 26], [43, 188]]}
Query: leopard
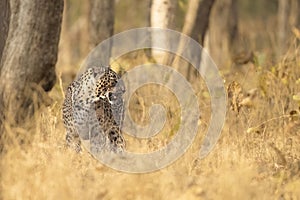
{"points": [[93, 111]]}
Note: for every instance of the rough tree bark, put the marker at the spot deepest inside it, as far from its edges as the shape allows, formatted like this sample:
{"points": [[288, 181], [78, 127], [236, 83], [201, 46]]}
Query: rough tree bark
{"points": [[162, 16], [101, 20], [4, 23], [223, 29], [29, 57]]}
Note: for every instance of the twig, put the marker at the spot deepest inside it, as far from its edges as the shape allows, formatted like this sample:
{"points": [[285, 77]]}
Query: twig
{"points": [[272, 119]]}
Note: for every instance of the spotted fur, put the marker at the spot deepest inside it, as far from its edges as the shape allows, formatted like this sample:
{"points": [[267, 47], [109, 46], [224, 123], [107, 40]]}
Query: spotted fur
{"points": [[93, 110]]}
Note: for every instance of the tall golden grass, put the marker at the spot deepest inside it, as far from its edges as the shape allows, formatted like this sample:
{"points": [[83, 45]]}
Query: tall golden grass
{"points": [[257, 156]]}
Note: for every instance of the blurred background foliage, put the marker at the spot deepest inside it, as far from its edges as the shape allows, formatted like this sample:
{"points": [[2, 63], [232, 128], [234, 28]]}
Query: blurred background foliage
{"points": [[257, 26]]}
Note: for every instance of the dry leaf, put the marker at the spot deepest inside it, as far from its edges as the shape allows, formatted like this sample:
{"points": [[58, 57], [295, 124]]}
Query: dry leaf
{"points": [[235, 96]]}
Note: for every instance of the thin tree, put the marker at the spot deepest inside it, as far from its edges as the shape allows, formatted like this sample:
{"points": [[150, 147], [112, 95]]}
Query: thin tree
{"points": [[295, 14], [29, 56], [195, 25], [162, 16], [288, 18], [4, 23], [197, 19], [283, 25]]}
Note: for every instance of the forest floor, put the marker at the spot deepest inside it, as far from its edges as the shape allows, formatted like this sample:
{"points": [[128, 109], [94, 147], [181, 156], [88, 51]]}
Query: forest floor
{"points": [[256, 157]]}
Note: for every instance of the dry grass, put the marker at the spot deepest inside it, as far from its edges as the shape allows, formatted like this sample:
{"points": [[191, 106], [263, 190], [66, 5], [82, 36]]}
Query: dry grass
{"points": [[257, 156]]}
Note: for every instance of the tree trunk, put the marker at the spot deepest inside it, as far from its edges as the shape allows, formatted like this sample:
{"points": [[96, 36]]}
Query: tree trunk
{"points": [[223, 32], [283, 25], [101, 20], [162, 16], [4, 23], [195, 25], [295, 13], [148, 24], [29, 57], [199, 28], [163, 13]]}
